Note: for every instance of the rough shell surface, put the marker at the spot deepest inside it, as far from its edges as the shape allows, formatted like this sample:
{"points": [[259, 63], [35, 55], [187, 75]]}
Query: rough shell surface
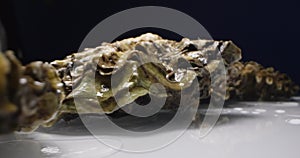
{"points": [[41, 93]]}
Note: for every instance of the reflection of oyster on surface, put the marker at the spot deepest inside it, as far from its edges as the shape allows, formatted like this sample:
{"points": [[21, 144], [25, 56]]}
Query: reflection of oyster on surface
{"points": [[42, 93]]}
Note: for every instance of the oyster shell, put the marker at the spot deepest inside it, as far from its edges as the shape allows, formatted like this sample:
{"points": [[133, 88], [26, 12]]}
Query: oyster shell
{"points": [[251, 81], [30, 95], [41, 93]]}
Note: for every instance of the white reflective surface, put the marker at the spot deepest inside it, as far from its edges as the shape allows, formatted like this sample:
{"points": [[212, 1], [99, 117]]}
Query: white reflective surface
{"points": [[246, 129]]}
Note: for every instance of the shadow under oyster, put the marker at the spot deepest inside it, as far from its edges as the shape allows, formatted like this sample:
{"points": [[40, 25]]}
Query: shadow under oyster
{"points": [[41, 93]]}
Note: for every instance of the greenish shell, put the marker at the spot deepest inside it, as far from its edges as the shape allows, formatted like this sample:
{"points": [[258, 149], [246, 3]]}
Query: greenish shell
{"points": [[41, 93]]}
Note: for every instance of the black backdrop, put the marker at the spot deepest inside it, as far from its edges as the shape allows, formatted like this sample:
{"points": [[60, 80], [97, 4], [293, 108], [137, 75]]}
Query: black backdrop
{"points": [[267, 31]]}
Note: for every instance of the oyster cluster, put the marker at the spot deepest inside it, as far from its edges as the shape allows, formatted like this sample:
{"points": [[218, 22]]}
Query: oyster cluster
{"points": [[251, 81], [41, 93], [30, 95]]}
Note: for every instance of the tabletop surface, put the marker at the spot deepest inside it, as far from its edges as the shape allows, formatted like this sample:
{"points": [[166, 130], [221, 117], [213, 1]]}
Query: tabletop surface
{"points": [[244, 129]]}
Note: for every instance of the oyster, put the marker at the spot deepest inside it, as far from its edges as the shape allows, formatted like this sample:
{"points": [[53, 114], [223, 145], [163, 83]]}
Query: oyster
{"points": [[251, 81], [42, 93], [30, 95]]}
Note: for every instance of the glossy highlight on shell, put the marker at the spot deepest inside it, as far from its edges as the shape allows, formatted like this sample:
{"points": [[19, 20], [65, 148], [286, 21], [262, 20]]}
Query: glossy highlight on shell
{"points": [[41, 93]]}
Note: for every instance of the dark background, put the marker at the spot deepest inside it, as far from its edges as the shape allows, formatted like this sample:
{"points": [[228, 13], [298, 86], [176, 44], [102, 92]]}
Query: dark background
{"points": [[267, 31]]}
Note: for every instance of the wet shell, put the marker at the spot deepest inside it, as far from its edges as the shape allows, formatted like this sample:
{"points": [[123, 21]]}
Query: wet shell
{"points": [[41, 93]]}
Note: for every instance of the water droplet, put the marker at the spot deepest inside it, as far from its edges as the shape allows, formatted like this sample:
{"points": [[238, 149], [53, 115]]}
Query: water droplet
{"points": [[99, 94], [50, 150], [91, 99], [126, 85], [255, 112], [226, 111], [23, 81], [238, 109], [280, 111], [293, 121], [135, 74], [134, 68], [244, 112], [37, 83], [59, 84], [260, 110]]}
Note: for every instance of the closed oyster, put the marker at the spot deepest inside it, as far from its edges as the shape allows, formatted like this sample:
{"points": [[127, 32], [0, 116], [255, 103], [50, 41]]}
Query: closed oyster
{"points": [[251, 81], [41, 93], [30, 95]]}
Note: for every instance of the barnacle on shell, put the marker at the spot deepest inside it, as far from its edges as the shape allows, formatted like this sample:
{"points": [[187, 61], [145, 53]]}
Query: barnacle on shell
{"points": [[41, 93]]}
